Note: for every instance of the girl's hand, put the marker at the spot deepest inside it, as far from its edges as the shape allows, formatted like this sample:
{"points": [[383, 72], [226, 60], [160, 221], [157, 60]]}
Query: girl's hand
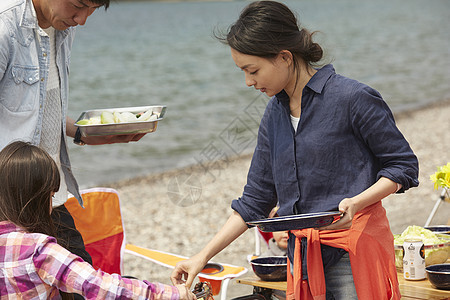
{"points": [[185, 293], [186, 270], [348, 209]]}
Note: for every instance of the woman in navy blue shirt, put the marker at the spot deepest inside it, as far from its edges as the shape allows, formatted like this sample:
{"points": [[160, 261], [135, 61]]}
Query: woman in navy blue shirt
{"points": [[325, 142]]}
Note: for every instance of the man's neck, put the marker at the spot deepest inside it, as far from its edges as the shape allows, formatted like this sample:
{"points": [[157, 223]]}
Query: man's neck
{"points": [[42, 22]]}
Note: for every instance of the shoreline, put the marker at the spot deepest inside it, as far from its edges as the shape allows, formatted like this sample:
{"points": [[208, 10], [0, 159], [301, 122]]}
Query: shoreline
{"points": [[401, 114], [180, 210]]}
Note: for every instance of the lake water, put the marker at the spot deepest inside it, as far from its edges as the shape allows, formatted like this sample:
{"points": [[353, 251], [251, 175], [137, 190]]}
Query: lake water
{"points": [[164, 53]]}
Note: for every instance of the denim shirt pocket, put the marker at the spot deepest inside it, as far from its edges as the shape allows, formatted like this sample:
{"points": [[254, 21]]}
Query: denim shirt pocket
{"points": [[22, 92], [28, 75]]}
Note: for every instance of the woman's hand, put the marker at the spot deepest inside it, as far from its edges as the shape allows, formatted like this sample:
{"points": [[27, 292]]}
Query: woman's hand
{"points": [[348, 209], [186, 270], [350, 206], [185, 293]]}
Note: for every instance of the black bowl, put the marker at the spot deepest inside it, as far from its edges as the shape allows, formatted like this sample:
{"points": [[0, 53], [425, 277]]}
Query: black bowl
{"points": [[439, 276], [271, 268]]}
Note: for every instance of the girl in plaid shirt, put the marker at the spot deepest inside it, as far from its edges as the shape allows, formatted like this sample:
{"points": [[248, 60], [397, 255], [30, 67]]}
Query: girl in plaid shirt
{"points": [[32, 264]]}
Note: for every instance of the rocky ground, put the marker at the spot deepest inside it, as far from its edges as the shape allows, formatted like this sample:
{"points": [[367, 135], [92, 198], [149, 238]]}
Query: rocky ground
{"points": [[180, 211]]}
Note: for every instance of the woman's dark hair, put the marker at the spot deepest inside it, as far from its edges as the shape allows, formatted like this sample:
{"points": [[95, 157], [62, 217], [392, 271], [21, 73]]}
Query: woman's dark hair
{"points": [[104, 3], [265, 28], [29, 176]]}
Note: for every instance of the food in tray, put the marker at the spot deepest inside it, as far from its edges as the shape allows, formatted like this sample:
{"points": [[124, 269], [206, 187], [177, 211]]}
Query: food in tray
{"points": [[437, 246], [116, 117], [121, 120]]}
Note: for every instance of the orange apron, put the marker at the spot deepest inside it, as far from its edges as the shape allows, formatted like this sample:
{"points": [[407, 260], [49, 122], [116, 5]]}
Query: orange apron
{"points": [[370, 245]]}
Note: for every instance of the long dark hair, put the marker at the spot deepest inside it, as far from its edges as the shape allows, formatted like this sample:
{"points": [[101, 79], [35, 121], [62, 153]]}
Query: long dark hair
{"points": [[265, 28], [28, 177]]}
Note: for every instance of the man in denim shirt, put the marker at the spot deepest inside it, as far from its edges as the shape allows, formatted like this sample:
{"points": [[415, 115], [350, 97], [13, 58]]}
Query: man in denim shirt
{"points": [[35, 42]]}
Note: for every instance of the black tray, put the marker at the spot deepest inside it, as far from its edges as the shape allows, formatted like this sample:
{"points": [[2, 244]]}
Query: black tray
{"points": [[293, 222]]}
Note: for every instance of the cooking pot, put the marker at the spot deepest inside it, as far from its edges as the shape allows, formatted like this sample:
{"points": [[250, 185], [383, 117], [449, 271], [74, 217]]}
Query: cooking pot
{"points": [[439, 276], [270, 268]]}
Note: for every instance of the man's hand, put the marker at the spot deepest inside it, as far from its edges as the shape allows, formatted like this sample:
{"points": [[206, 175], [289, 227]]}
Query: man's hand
{"points": [[102, 139], [112, 139]]}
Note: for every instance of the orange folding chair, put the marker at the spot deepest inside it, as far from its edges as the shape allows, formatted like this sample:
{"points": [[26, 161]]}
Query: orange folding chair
{"points": [[101, 226], [219, 279]]}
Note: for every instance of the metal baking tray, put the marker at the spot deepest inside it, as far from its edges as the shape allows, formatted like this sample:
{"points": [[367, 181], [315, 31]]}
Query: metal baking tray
{"points": [[292, 222], [120, 128]]}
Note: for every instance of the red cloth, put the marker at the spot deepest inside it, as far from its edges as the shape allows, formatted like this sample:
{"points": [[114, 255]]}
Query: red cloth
{"points": [[370, 245]]}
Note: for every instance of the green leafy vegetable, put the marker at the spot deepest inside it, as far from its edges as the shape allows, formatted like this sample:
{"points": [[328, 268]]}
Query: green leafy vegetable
{"points": [[433, 255]]}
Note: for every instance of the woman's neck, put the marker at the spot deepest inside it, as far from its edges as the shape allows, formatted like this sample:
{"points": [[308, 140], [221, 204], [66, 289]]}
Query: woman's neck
{"points": [[303, 75]]}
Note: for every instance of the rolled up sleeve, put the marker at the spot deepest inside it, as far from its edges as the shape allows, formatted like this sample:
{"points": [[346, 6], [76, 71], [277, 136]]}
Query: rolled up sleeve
{"points": [[373, 121]]}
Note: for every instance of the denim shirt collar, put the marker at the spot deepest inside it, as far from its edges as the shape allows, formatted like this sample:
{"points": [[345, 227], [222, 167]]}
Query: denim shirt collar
{"points": [[318, 80], [316, 83], [29, 18]]}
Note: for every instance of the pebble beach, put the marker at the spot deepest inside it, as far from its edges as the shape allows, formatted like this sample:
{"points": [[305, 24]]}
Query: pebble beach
{"points": [[179, 211]]}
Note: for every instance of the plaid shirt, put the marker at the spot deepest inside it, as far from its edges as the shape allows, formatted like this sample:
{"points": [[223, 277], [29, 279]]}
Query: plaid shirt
{"points": [[34, 266]]}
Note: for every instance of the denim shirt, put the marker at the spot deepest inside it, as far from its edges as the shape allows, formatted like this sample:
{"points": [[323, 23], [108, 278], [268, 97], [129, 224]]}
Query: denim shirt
{"points": [[345, 141], [24, 67]]}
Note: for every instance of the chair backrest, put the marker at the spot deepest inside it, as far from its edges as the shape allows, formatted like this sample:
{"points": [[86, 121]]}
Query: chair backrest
{"points": [[101, 226]]}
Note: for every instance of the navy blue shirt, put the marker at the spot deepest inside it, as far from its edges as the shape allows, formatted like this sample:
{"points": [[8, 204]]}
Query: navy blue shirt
{"points": [[345, 141]]}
